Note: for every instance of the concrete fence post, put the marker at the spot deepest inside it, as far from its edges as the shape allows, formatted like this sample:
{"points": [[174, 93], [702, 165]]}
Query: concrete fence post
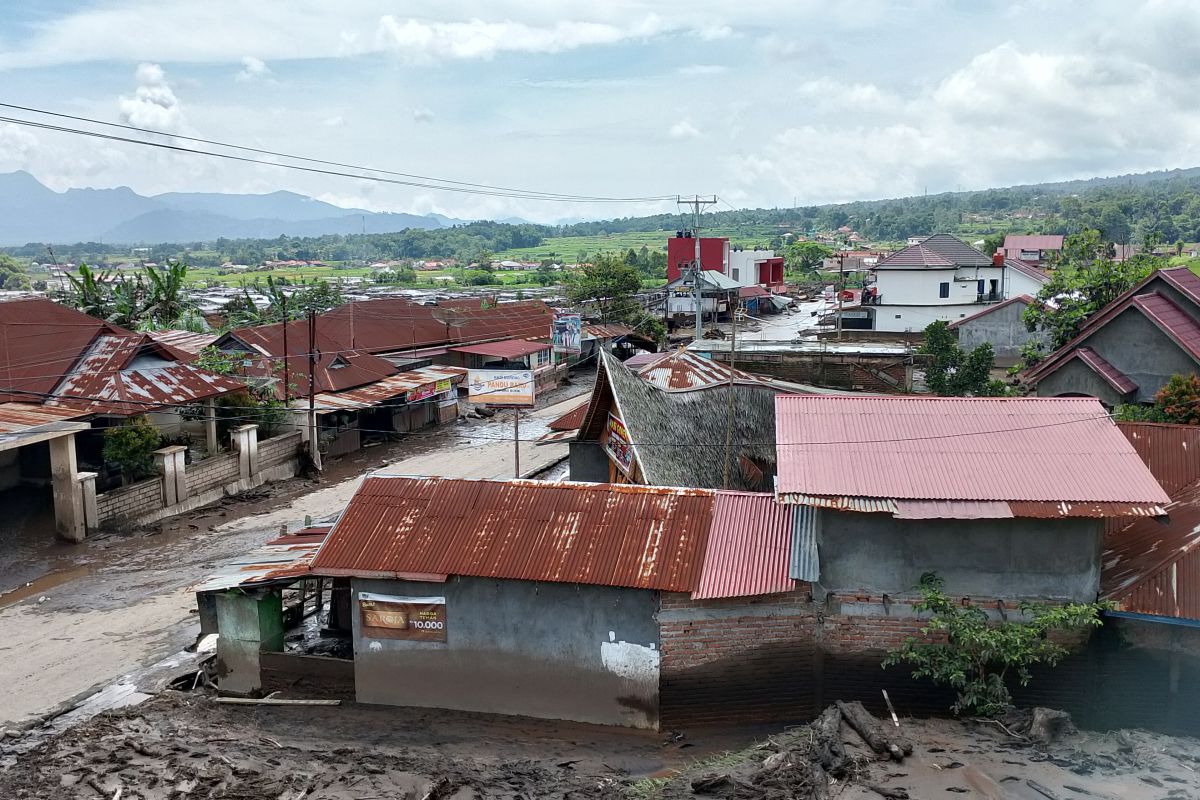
{"points": [[87, 487], [170, 464], [68, 500], [245, 442]]}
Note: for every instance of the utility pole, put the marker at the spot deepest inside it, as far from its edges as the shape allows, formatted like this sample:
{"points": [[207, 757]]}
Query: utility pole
{"points": [[287, 376], [313, 449], [697, 203], [730, 390], [841, 288]]}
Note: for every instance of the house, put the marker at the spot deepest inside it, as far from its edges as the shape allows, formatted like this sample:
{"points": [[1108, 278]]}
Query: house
{"points": [[753, 267], [1001, 325], [1002, 498], [941, 278], [1128, 350], [1036, 250], [639, 432], [64, 378], [718, 295]]}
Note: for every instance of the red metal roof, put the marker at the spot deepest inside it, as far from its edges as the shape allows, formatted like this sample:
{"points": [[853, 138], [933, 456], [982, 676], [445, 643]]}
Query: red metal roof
{"points": [[39, 343], [387, 388], [573, 419], [684, 371], [609, 330], [1172, 319], [1171, 452], [124, 375], [184, 341], [507, 348], [1059, 451], [753, 291], [1028, 270], [1024, 299], [1040, 241], [31, 418], [641, 358], [337, 368], [611, 535], [1151, 568], [749, 547], [1112, 376]]}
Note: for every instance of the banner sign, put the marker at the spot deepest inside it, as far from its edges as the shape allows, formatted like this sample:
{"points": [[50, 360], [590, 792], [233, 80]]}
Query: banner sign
{"points": [[500, 387], [421, 619], [566, 332], [618, 444]]}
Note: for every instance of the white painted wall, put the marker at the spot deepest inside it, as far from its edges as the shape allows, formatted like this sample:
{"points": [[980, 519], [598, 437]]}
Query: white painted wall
{"points": [[1020, 283], [914, 319], [922, 287], [745, 262]]}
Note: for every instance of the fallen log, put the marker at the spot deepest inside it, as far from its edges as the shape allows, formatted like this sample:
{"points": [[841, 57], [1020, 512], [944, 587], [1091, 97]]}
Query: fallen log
{"points": [[874, 734], [827, 742], [883, 791]]}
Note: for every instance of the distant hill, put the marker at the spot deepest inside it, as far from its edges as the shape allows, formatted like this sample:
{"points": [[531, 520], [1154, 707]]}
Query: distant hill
{"points": [[31, 212]]}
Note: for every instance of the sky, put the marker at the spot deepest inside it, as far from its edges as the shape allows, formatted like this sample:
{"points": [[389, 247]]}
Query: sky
{"points": [[765, 104]]}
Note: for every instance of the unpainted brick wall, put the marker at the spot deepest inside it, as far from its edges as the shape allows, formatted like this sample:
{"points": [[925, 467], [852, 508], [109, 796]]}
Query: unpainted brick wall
{"points": [[278, 449], [212, 473], [130, 501]]}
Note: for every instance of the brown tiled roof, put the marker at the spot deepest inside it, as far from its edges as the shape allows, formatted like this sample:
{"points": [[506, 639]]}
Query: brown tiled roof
{"points": [[956, 250], [915, 256], [1039, 241], [1113, 376]]}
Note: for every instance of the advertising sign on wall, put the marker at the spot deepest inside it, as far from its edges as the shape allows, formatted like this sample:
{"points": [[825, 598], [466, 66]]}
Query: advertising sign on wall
{"points": [[618, 444], [421, 619], [500, 387], [566, 333], [421, 393]]}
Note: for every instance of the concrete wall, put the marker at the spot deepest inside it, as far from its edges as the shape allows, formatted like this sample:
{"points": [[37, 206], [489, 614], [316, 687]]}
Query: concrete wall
{"points": [[10, 468], [1003, 329], [1135, 346], [588, 462], [1077, 378], [550, 650], [1013, 558]]}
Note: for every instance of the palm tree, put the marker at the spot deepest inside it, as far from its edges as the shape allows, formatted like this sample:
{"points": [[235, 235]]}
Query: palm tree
{"points": [[167, 297], [89, 292]]}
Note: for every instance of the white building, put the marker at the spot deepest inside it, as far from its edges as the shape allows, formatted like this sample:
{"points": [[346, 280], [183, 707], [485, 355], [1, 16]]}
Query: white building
{"points": [[941, 277]]}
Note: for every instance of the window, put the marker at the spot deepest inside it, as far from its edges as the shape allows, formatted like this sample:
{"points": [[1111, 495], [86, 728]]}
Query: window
{"points": [[897, 316], [735, 273], [979, 284], [944, 289]]}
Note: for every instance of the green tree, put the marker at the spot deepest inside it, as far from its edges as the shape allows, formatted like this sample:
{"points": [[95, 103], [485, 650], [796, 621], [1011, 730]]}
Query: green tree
{"points": [[89, 292], [962, 647], [952, 372], [131, 446], [805, 256], [166, 293], [1085, 279], [608, 284], [1177, 402], [12, 274], [992, 242]]}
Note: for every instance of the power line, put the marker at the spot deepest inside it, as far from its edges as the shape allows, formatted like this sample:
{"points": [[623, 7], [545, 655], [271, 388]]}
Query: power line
{"points": [[423, 184]]}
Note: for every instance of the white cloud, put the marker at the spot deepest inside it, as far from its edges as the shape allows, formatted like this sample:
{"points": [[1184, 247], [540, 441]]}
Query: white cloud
{"points": [[422, 115], [153, 103], [703, 69], [334, 121], [714, 31], [421, 41], [683, 130], [254, 69]]}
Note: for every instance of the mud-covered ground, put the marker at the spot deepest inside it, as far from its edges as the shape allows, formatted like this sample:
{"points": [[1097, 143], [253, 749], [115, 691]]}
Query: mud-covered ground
{"points": [[187, 746]]}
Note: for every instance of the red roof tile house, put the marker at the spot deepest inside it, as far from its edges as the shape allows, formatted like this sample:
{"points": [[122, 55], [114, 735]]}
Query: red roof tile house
{"points": [[1036, 250], [1128, 350]]}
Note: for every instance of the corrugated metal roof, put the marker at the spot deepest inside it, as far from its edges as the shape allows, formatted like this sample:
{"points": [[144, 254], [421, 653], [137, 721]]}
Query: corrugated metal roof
{"points": [[1171, 452], [184, 341], [40, 341], [1039, 241], [684, 371], [27, 418], [573, 419], [749, 547], [610, 330], [610, 535], [640, 358], [1118, 380], [753, 291], [1151, 568], [392, 386], [284, 559], [1047, 450], [508, 348], [127, 375]]}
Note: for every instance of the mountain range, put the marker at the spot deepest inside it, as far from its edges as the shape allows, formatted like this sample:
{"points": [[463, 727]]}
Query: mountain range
{"points": [[32, 212]]}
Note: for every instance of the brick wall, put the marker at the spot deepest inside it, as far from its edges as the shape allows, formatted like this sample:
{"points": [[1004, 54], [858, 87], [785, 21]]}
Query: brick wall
{"points": [[278, 449], [212, 473], [130, 501]]}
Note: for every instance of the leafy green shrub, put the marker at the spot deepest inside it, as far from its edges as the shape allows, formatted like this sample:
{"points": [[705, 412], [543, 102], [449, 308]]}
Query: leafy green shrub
{"points": [[131, 446], [976, 656]]}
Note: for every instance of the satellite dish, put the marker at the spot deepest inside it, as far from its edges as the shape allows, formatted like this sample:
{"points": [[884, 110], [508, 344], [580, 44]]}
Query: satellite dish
{"points": [[450, 317]]}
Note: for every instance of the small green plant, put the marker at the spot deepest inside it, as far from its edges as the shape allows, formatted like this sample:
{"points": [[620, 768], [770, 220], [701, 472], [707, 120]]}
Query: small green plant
{"points": [[962, 647], [131, 446]]}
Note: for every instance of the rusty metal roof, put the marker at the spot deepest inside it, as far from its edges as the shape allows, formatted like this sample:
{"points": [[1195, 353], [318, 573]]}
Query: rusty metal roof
{"points": [[1037, 241], [1171, 452], [610, 535], [1063, 454], [684, 371], [753, 291], [40, 341], [387, 388], [25, 421], [573, 419], [184, 341], [508, 348], [610, 330], [132, 374], [280, 560], [749, 547]]}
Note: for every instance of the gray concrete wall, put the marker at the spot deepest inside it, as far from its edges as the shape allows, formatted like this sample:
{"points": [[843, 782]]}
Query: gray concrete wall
{"points": [[588, 462], [1003, 329], [1135, 346], [1004, 558], [549, 650]]}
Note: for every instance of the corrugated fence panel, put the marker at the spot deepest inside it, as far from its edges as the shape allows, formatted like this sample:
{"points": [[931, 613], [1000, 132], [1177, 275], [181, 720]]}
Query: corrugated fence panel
{"points": [[1171, 452]]}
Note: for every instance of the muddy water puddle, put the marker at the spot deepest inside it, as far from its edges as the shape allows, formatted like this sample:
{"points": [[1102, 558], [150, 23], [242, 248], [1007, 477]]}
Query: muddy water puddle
{"points": [[38, 586]]}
